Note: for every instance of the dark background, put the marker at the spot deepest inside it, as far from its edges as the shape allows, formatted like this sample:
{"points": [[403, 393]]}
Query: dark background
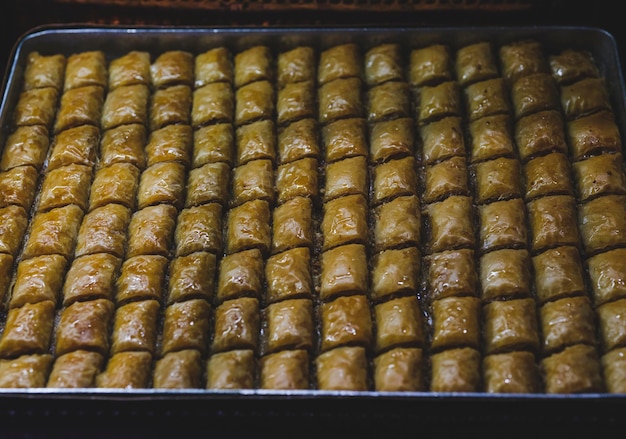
{"points": [[35, 418]]}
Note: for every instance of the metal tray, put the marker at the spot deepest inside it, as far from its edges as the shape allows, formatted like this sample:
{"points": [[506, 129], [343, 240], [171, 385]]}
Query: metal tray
{"points": [[152, 404]]}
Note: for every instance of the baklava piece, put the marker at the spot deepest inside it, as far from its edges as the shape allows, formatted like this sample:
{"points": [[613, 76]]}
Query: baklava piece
{"points": [[491, 137], [497, 179], [208, 183], [237, 325], [85, 68], [285, 370], [395, 272], [298, 140], [400, 370], [553, 222], [126, 370], [613, 367], [17, 186], [548, 175], [131, 68], [170, 105], [52, 232], [602, 223], [234, 369], [510, 325], [297, 179], [241, 274], [186, 325], [37, 107], [451, 273], [296, 65], [340, 61], [38, 279], [505, 274], [397, 223], [343, 368], [213, 65], [254, 101], [151, 230], [344, 221], [455, 370], [27, 329], [486, 98], [584, 97], [125, 105], [445, 178], [571, 65], [27, 371], [611, 325], [65, 185], [79, 106], [43, 71], [162, 183], [255, 141], [600, 175], [171, 143], [392, 179], [91, 277], [214, 102], [84, 325], [539, 134], [430, 65], [103, 230], [340, 99], [522, 58], [383, 63], [295, 101], [199, 228], [565, 322], [346, 320], [253, 64], [576, 369], [135, 327], [288, 324], [6, 270], [192, 277], [343, 271], [558, 273], [248, 226], [441, 140], [27, 145], [450, 224], [511, 372], [124, 144], [78, 145], [292, 225], [75, 370], [533, 93], [117, 183], [172, 68], [456, 323], [178, 370], [213, 143], [399, 323], [390, 100], [438, 101], [141, 278], [253, 180], [476, 62], [503, 224], [593, 134], [288, 275], [348, 138], [13, 225]]}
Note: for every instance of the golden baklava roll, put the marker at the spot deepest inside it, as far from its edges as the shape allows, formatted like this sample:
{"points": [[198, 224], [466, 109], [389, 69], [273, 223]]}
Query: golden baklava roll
{"points": [[548, 174], [584, 97], [497, 179], [476, 62], [491, 137], [593, 134], [539, 134], [84, 69], [295, 101], [340, 99], [79, 106], [84, 325], [391, 179], [199, 228], [438, 101], [26, 145], [172, 143], [348, 138], [450, 224], [78, 146], [13, 225], [285, 370], [340, 61], [510, 325], [576, 369], [27, 371], [522, 58], [343, 271], [288, 275], [130, 68], [553, 222], [346, 320], [382, 63], [208, 183], [613, 363], [170, 105], [389, 100], [103, 230], [600, 175], [255, 141], [125, 105], [235, 369], [611, 325], [178, 370], [298, 140], [343, 368], [399, 323], [253, 64], [445, 178], [117, 183], [91, 277], [212, 103], [558, 273], [28, 329], [398, 223], [6, 272], [565, 322], [534, 93], [51, 232], [456, 322], [571, 65], [192, 276], [141, 278], [213, 65], [451, 273], [511, 372], [344, 221], [124, 144], [441, 140], [213, 143], [65, 185], [430, 65], [36, 107], [455, 370], [602, 223], [254, 101], [162, 183], [237, 324], [75, 370], [38, 279], [126, 370], [254, 180], [18, 186], [172, 67], [288, 324], [241, 274], [400, 369], [135, 327], [394, 272], [296, 65], [186, 325], [606, 273], [486, 98], [151, 231], [297, 179], [391, 139], [503, 225], [248, 226], [505, 274], [44, 71], [292, 225]]}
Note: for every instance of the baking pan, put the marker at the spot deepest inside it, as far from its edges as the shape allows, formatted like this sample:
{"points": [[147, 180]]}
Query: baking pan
{"points": [[432, 406]]}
